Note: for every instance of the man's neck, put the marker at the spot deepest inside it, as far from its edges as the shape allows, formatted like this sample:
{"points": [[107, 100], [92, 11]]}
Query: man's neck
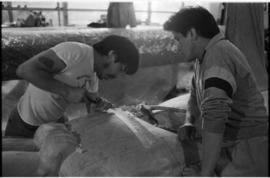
{"points": [[201, 47], [97, 60]]}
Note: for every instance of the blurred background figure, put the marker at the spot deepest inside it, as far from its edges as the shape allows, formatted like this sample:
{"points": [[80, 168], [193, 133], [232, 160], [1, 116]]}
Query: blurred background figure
{"points": [[34, 19], [120, 15], [101, 23]]}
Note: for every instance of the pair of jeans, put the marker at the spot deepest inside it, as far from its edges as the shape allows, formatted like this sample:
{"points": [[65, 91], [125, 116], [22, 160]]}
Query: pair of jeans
{"points": [[249, 157], [16, 127]]}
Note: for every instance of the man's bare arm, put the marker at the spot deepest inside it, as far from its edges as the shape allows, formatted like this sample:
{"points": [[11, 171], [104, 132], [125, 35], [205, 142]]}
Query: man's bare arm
{"points": [[40, 71], [211, 151]]}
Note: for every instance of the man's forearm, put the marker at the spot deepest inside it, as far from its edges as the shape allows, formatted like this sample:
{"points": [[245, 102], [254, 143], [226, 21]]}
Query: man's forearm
{"points": [[40, 71], [192, 110], [189, 120], [211, 151]]}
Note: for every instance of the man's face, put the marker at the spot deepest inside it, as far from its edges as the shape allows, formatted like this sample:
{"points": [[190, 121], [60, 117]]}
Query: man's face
{"points": [[110, 69], [185, 45]]}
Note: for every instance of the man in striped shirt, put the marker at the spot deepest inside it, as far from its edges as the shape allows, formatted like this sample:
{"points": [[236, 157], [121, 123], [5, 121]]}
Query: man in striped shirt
{"points": [[224, 94]]}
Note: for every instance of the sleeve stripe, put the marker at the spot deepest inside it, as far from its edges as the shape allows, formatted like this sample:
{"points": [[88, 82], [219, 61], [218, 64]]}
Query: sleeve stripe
{"points": [[219, 83], [222, 73]]}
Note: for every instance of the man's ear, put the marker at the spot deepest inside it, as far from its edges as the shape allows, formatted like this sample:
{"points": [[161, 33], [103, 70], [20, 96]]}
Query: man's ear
{"points": [[193, 34], [112, 55]]}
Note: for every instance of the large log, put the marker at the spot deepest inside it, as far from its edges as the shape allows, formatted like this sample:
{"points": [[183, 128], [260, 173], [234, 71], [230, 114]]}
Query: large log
{"points": [[120, 144], [112, 144], [156, 46]]}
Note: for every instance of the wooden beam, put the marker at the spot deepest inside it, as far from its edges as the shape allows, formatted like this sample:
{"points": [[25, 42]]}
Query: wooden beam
{"points": [[149, 13], [75, 9], [58, 13], [65, 13], [10, 13]]}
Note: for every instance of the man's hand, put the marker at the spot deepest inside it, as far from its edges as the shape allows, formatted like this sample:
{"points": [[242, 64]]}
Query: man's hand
{"points": [[186, 132], [103, 104], [191, 171], [77, 95]]}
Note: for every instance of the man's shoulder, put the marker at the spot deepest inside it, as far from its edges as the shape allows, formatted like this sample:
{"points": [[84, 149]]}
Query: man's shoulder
{"points": [[74, 45], [227, 48], [224, 52]]}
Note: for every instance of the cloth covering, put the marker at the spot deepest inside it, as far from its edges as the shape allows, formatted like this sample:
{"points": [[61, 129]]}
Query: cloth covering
{"points": [[245, 28], [121, 14]]}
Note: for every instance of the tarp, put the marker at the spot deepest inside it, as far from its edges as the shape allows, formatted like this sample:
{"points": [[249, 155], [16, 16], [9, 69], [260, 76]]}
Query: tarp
{"points": [[245, 28]]}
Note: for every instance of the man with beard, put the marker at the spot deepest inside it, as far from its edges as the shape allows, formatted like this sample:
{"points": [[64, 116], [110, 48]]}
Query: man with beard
{"points": [[68, 73]]}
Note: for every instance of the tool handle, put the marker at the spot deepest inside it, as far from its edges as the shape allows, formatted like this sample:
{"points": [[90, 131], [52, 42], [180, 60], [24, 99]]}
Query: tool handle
{"points": [[165, 108]]}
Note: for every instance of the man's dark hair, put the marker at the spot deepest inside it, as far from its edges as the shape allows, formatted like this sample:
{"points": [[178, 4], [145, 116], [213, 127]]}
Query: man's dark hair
{"points": [[193, 17], [126, 51]]}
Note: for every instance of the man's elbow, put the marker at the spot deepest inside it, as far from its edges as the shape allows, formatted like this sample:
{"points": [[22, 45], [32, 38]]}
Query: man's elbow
{"points": [[22, 71], [19, 71]]}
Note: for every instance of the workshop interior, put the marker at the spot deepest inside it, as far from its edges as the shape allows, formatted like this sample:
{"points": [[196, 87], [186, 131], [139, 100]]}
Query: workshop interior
{"points": [[137, 132]]}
